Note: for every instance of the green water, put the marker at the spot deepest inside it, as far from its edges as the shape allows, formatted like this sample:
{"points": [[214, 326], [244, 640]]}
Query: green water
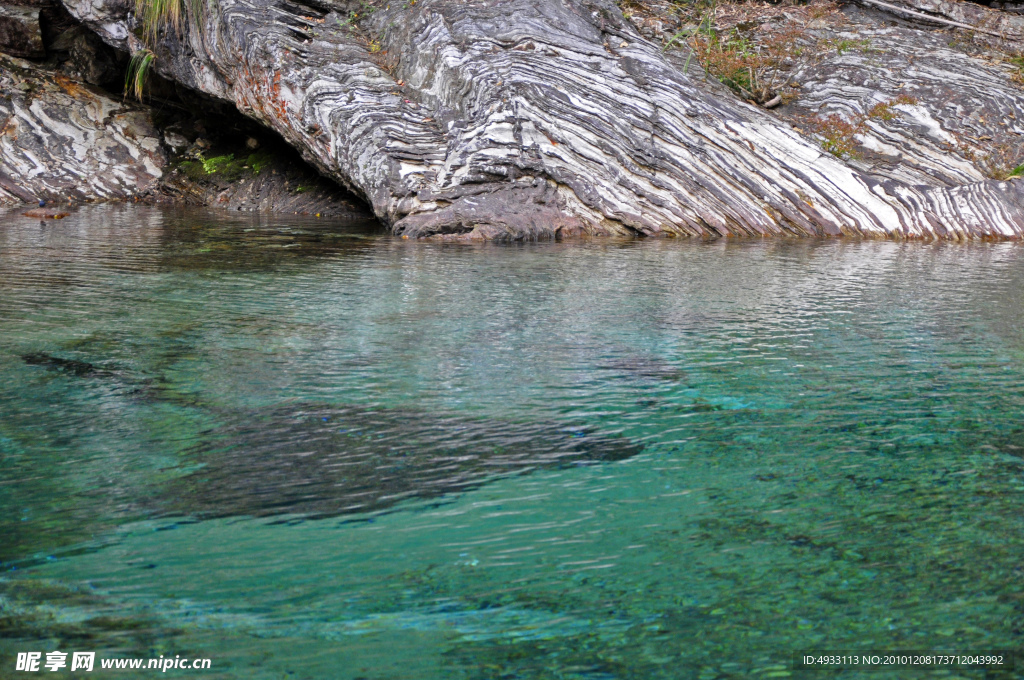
{"points": [[309, 450]]}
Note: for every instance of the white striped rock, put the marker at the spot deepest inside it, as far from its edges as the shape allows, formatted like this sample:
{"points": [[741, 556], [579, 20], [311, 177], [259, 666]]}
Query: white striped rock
{"points": [[538, 118], [62, 139]]}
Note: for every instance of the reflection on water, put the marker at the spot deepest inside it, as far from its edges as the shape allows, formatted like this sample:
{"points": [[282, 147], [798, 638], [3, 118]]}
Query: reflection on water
{"points": [[306, 449]]}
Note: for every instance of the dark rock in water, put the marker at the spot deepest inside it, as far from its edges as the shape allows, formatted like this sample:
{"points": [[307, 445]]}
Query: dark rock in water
{"points": [[46, 213], [322, 461], [644, 367], [19, 32], [70, 366]]}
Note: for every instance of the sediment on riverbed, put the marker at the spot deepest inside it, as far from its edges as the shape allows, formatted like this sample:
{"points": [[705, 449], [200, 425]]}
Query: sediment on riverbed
{"points": [[524, 119]]}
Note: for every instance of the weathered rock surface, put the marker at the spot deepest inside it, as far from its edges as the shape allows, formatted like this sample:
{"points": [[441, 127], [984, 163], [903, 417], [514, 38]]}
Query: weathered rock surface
{"points": [[83, 56], [963, 119], [20, 34], [918, 106], [64, 140], [60, 139], [518, 119], [993, 26]]}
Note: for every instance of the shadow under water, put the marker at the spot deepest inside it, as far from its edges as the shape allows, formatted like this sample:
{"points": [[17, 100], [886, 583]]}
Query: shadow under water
{"points": [[323, 461]]}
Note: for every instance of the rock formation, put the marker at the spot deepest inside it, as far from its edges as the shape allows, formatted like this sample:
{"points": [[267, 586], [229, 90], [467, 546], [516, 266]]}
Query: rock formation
{"points": [[523, 119], [61, 139], [545, 118]]}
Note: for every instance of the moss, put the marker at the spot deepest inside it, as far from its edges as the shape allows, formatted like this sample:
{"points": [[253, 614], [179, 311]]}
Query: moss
{"points": [[845, 45], [1018, 65], [258, 161], [219, 164], [193, 170]]}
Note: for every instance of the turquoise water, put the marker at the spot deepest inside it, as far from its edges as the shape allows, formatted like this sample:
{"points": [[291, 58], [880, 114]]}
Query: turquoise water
{"points": [[309, 450]]}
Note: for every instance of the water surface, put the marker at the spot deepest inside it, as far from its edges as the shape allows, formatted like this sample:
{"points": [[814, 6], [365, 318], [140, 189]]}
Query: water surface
{"points": [[305, 449]]}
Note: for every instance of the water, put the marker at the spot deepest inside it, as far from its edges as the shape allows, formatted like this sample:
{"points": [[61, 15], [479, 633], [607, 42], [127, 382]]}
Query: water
{"points": [[305, 449]]}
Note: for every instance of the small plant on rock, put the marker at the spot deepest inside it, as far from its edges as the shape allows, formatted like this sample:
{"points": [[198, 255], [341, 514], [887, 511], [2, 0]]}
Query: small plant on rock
{"points": [[138, 73], [752, 69], [839, 135]]}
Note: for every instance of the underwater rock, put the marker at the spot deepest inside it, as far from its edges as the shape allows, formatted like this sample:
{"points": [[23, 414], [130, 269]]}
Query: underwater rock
{"points": [[322, 461], [46, 213], [643, 367], [74, 367]]}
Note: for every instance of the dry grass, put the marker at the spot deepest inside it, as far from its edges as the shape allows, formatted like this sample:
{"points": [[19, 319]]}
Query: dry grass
{"points": [[838, 135], [752, 68], [748, 46]]}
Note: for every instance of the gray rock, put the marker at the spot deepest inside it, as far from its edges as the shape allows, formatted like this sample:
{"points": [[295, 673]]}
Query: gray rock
{"points": [[62, 139], [19, 31], [175, 141], [533, 118], [86, 58]]}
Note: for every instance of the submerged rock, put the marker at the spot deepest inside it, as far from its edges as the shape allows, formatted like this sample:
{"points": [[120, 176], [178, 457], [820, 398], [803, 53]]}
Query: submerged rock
{"points": [[46, 213], [324, 461], [69, 366]]}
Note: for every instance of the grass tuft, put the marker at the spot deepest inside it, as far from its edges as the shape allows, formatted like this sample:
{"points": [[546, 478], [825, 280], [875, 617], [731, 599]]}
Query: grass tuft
{"points": [[157, 15], [138, 73]]}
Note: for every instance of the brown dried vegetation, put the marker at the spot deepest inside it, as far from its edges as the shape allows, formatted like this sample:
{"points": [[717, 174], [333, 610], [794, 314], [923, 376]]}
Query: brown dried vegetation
{"points": [[838, 134], [751, 47]]}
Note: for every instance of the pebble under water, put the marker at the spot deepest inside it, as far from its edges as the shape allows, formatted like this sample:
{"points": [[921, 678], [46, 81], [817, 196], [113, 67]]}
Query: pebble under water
{"points": [[306, 449]]}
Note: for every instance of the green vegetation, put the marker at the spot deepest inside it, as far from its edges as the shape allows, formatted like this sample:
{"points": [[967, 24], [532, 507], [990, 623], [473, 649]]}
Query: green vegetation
{"points": [[218, 163], [153, 17], [138, 73], [844, 45], [747, 60], [157, 15], [1017, 62], [751, 70], [225, 167], [354, 17]]}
